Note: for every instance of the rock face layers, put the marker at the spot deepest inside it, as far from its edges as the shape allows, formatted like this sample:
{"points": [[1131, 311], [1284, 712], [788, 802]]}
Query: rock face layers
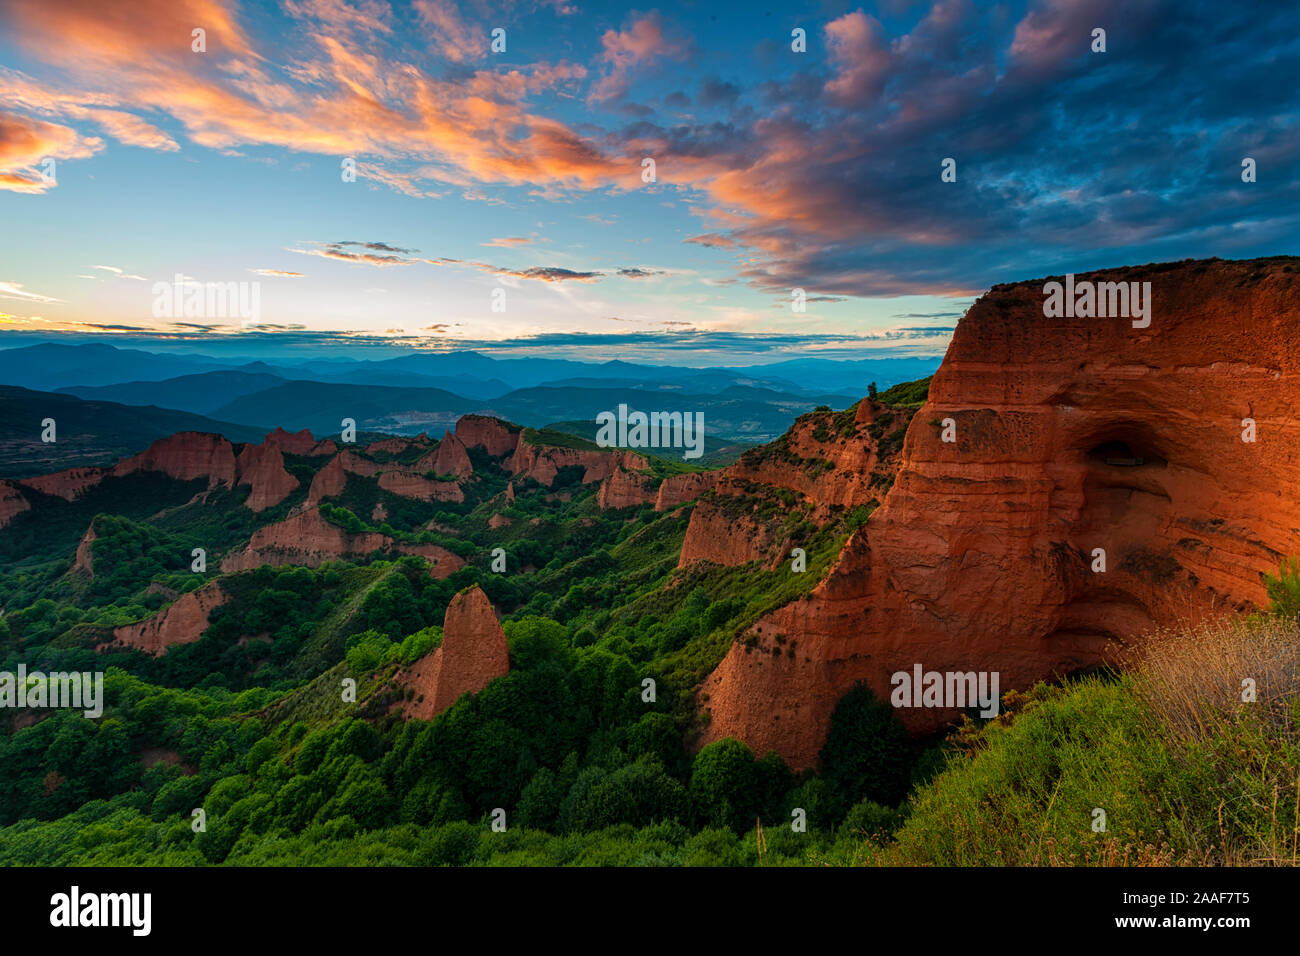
{"points": [[414, 486], [1072, 434], [680, 489], [829, 460], [181, 622], [186, 456], [623, 489], [331, 480], [306, 538], [472, 654], [543, 462]]}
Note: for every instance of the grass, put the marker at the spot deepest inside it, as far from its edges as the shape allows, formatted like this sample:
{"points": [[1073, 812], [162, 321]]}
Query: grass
{"points": [[1185, 770]]}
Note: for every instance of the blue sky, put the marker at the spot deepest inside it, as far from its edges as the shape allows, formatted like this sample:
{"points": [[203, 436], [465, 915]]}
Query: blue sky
{"points": [[521, 170]]}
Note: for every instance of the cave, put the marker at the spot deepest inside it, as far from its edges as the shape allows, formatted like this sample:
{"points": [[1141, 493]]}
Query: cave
{"points": [[1124, 505], [1115, 453]]}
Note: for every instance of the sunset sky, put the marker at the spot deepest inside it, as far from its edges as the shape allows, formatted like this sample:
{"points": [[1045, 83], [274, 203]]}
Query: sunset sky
{"points": [[522, 170]]}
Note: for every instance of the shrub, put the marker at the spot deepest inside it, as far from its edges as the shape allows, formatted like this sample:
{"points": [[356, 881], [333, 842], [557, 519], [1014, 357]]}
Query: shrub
{"points": [[867, 753], [1284, 590]]}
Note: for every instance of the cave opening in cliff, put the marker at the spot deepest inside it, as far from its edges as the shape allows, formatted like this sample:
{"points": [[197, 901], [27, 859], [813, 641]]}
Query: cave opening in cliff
{"points": [[1124, 488], [1119, 453]]}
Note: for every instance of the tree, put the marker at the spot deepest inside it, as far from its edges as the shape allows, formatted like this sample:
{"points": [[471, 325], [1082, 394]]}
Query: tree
{"points": [[640, 793], [867, 754], [871, 391], [725, 785]]}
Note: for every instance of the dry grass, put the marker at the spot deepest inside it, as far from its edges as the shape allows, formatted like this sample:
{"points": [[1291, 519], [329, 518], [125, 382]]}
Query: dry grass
{"points": [[1194, 678], [1225, 694]]}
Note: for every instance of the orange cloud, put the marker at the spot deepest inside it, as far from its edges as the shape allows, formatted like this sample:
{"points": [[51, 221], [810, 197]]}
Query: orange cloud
{"points": [[89, 34], [25, 143]]}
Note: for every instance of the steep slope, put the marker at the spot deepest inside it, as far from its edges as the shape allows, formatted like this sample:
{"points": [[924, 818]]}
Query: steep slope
{"points": [[1071, 434], [89, 432], [473, 652], [827, 461], [181, 622]]}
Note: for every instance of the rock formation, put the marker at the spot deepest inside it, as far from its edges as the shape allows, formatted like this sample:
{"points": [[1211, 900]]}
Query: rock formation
{"points": [[12, 502], [293, 443], [262, 468], [623, 489], [182, 622], [490, 434], [830, 461], [1072, 434], [85, 557], [391, 446], [680, 489], [472, 654], [186, 456], [306, 538], [449, 458], [415, 486], [543, 462], [69, 484]]}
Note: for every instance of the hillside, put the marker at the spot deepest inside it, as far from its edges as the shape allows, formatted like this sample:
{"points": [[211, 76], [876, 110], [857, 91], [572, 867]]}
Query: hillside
{"points": [[89, 432], [202, 394]]}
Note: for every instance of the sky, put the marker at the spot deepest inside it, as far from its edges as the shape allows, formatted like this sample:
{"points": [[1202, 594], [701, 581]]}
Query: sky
{"points": [[503, 200]]}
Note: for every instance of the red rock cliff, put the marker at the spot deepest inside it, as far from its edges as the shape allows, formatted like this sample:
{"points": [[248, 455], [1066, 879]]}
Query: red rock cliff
{"points": [[472, 654], [830, 460], [186, 456], [543, 462], [69, 484], [262, 468], [181, 622], [680, 489], [1071, 434], [294, 443], [481, 431], [624, 489], [449, 458], [306, 538]]}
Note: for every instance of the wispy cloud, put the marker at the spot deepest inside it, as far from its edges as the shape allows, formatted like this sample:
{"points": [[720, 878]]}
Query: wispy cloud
{"points": [[15, 290]]}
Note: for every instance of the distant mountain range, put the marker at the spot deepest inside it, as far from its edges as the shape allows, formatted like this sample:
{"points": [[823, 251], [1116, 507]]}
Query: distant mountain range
{"points": [[129, 396], [53, 366]]}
